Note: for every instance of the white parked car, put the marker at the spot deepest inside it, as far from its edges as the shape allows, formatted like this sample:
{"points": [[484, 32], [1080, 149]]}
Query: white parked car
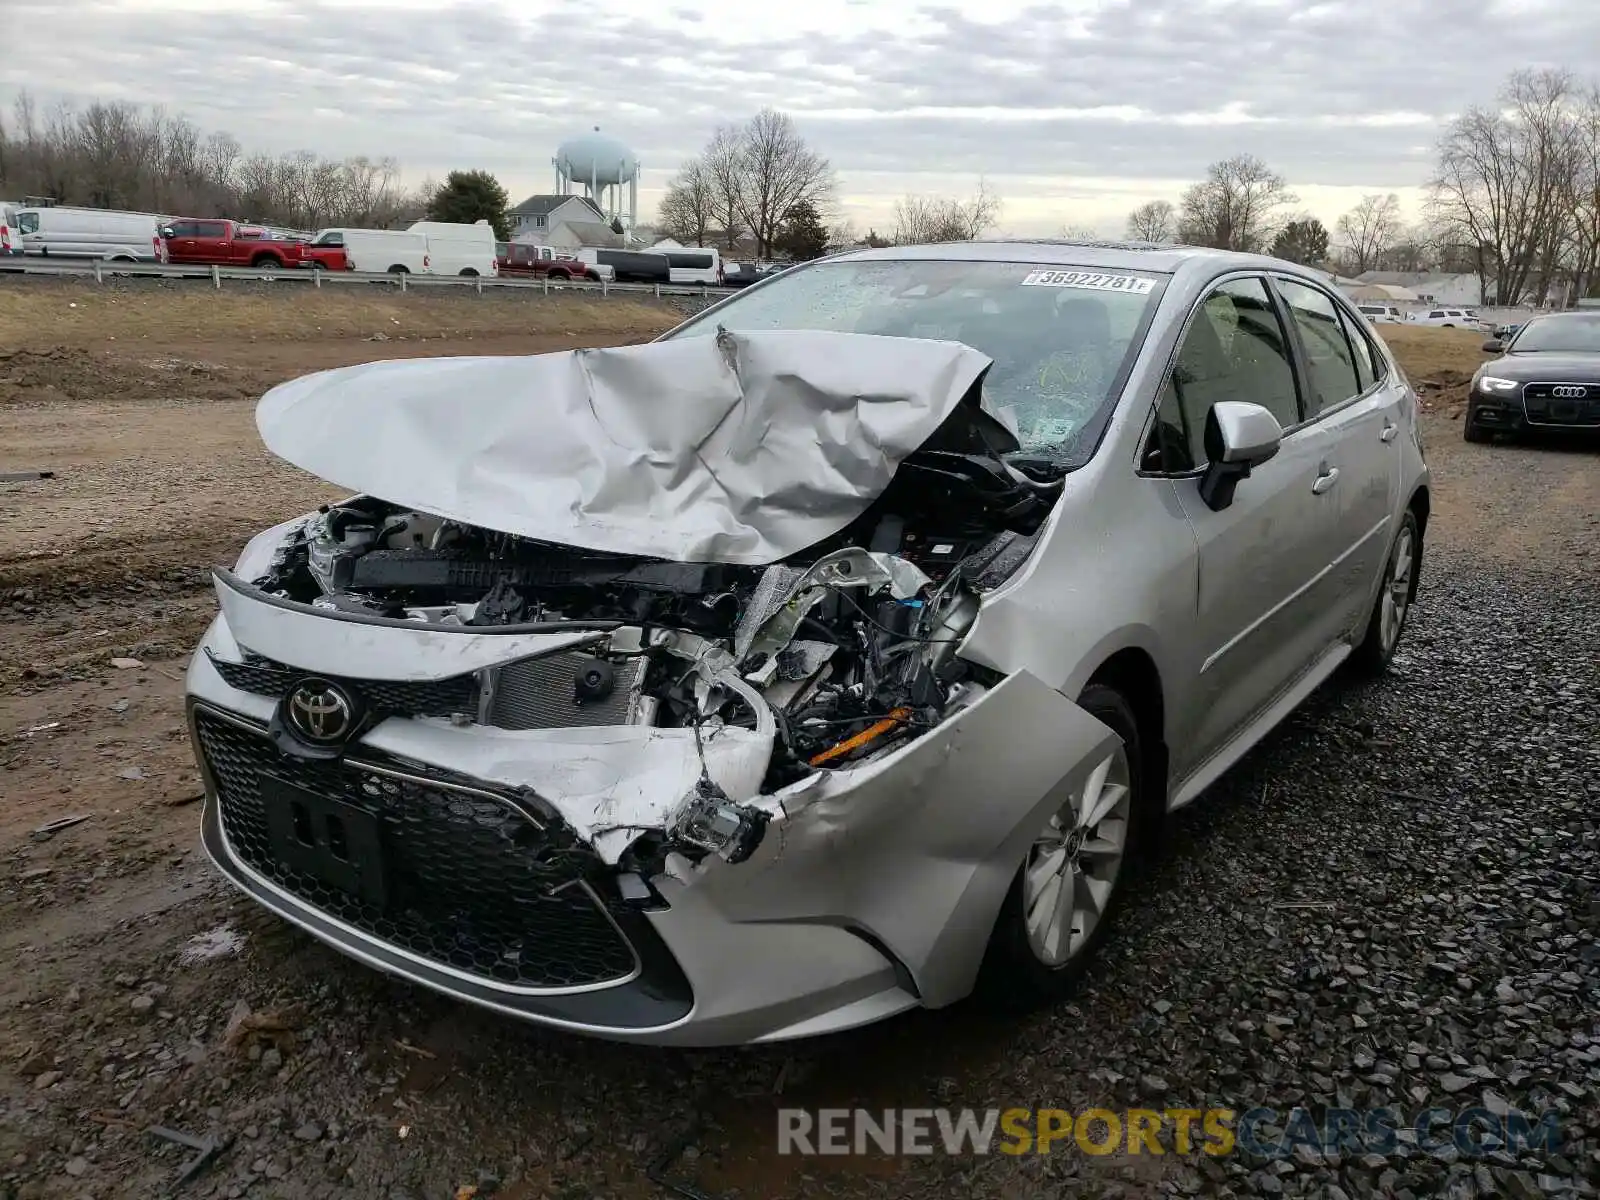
{"points": [[1449, 318], [1381, 314], [833, 655]]}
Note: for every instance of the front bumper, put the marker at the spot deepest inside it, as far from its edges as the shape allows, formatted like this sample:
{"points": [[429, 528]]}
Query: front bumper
{"points": [[872, 891], [1499, 412], [1535, 407]]}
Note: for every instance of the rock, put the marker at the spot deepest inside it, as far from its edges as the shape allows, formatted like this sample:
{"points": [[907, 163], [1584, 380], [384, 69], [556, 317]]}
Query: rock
{"points": [[76, 1166], [271, 1059], [309, 1132], [47, 1079], [126, 664], [1453, 1083], [131, 773], [142, 1004]]}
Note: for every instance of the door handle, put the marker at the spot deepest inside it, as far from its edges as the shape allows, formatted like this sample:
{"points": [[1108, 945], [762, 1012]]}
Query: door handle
{"points": [[1326, 480], [1390, 429]]}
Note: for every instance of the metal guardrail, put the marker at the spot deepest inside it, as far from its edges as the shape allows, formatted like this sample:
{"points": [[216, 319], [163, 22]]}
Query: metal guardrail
{"points": [[99, 269]]}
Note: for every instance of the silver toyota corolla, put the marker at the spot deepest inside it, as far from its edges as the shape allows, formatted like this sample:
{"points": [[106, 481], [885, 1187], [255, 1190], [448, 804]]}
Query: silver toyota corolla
{"points": [[835, 654]]}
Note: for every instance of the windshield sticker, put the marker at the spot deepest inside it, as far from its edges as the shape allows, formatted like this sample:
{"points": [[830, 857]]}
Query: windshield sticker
{"points": [[1093, 281]]}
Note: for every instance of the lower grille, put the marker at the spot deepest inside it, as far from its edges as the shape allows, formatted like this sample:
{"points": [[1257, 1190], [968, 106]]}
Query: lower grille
{"points": [[467, 883], [1562, 403]]}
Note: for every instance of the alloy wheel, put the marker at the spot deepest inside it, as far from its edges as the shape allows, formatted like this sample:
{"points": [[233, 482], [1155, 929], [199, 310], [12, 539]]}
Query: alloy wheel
{"points": [[1395, 602], [1073, 865]]}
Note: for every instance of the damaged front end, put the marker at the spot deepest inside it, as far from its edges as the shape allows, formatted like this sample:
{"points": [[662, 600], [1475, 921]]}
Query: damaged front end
{"points": [[599, 787], [821, 662]]}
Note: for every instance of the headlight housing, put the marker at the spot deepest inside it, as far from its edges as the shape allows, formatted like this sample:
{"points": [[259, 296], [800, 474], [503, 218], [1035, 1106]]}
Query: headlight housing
{"points": [[1493, 383]]}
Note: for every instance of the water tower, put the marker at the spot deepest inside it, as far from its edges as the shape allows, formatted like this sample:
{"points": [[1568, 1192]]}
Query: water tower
{"points": [[601, 165]]}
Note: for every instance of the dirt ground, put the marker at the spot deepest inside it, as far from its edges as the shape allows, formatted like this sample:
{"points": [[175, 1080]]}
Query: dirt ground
{"points": [[127, 958]]}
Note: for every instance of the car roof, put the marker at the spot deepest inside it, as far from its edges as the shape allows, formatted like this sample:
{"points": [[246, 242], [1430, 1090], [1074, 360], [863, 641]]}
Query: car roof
{"points": [[1130, 256]]}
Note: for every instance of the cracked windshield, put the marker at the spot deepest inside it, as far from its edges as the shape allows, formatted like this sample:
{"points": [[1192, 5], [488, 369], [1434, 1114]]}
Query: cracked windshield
{"points": [[1058, 335]]}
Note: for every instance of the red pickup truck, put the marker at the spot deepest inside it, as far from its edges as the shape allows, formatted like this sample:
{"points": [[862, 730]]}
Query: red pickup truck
{"points": [[519, 258], [229, 244]]}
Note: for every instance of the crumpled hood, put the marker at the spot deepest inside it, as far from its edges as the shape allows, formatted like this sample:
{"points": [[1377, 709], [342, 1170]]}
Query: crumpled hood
{"points": [[740, 448]]}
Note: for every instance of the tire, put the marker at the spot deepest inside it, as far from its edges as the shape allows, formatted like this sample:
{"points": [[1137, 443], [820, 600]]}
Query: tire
{"points": [[399, 269], [318, 265], [265, 262], [1471, 431], [1016, 974], [559, 276], [1384, 628], [467, 271]]}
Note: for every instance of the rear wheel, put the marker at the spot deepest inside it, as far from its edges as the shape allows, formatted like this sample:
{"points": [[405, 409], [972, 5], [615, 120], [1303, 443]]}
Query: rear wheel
{"points": [[468, 271], [265, 262], [399, 269], [1063, 899], [1393, 606], [560, 276]]}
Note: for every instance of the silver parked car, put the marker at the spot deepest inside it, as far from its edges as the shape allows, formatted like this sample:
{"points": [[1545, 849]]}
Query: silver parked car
{"points": [[835, 654]]}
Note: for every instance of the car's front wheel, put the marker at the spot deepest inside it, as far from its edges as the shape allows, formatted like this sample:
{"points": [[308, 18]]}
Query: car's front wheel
{"points": [[1393, 606], [1062, 901]]}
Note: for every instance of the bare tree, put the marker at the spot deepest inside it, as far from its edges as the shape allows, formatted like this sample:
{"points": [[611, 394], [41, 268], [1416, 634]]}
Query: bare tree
{"points": [[778, 171], [1368, 230], [923, 220], [1080, 233], [689, 207], [1584, 198], [724, 164], [1235, 207], [1505, 180], [1154, 221]]}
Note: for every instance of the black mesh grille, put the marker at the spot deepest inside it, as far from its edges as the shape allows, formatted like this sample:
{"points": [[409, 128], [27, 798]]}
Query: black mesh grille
{"points": [[435, 698], [468, 882], [1559, 403]]}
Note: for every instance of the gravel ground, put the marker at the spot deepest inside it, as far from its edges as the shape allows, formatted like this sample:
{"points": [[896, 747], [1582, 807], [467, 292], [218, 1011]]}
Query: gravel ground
{"points": [[1392, 903]]}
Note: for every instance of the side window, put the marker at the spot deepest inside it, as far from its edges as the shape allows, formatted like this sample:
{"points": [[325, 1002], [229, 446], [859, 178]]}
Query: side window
{"points": [[1234, 349], [28, 222], [211, 229], [1328, 354], [1368, 369], [183, 228]]}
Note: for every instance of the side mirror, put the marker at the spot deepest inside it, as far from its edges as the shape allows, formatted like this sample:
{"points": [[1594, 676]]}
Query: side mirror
{"points": [[1493, 346], [167, 231], [1239, 436]]}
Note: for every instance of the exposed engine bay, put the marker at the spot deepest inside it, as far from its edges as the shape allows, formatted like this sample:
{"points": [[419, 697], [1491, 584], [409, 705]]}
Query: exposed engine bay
{"points": [[851, 646]]}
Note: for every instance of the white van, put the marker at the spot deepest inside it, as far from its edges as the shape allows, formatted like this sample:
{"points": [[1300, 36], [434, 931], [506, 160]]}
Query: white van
{"points": [[92, 233], [387, 251], [693, 264], [10, 238], [455, 249]]}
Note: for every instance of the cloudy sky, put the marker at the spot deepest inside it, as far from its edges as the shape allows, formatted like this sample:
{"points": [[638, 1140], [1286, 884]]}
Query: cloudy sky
{"points": [[1074, 111]]}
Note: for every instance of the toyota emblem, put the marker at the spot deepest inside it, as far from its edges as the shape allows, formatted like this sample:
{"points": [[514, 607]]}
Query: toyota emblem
{"points": [[1568, 391], [320, 712]]}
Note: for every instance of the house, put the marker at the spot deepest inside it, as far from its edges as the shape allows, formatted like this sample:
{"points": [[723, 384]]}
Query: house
{"points": [[1434, 287], [567, 236], [536, 216]]}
